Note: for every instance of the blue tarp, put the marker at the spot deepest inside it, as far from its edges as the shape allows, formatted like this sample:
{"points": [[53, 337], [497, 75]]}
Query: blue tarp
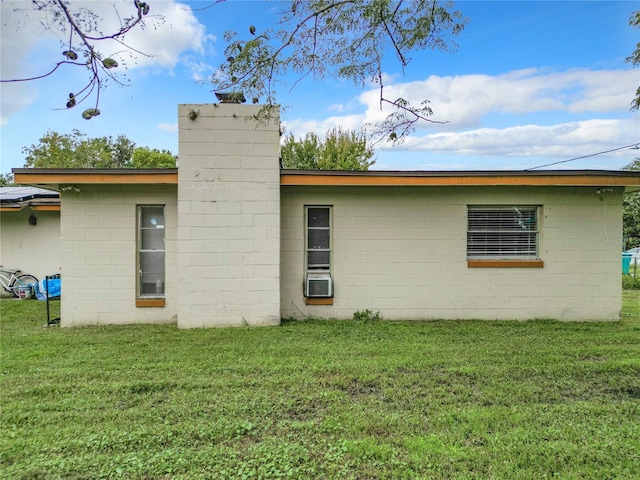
{"points": [[40, 288]]}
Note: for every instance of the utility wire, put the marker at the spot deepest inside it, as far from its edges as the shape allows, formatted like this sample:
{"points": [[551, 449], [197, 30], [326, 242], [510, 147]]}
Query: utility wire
{"points": [[584, 156]]}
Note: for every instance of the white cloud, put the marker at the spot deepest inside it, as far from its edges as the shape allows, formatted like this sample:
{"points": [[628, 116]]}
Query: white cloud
{"points": [[29, 49], [524, 113], [337, 107], [15, 97], [300, 127], [562, 140], [162, 40], [20, 36], [168, 127], [200, 71], [464, 101]]}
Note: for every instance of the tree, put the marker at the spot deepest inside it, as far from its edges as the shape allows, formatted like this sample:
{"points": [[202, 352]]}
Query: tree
{"points": [[346, 39], [76, 150], [631, 213], [85, 34], [6, 180], [634, 59], [144, 157], [339, 150]]}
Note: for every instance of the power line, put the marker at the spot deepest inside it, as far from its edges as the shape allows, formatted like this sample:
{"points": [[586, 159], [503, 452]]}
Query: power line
{"points": [[584, 156]]}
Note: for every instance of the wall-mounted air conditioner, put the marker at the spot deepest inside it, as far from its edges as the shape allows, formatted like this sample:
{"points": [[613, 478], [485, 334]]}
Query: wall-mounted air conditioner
{"points": [[319, 285]]}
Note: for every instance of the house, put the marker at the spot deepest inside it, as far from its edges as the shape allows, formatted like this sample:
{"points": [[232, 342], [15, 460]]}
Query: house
{"points": [[228, 238], [30, 230]]}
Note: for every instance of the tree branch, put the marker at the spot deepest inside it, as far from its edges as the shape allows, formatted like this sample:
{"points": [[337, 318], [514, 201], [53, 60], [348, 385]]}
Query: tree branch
{"points": [[345, 39], [97, 66]]}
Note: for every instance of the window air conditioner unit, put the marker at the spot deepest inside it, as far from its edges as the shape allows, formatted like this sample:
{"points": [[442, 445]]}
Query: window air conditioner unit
{"points": [[319, 285]]}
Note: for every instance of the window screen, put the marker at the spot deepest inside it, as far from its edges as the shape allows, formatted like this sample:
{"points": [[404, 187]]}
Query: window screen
{"points": [[318, 241], [502, 232]]}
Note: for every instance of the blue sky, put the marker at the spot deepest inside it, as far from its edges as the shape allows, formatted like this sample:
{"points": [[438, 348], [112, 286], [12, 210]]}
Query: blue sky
{"points": [[530, 83]]}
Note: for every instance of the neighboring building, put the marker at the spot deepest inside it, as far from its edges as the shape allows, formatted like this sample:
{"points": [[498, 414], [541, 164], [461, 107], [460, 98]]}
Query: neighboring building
{"points": [[30, 230], [230, 239]]}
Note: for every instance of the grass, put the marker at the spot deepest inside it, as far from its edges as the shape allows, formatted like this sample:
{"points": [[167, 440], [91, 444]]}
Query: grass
{"points": [[321, 399], [631, 282]]}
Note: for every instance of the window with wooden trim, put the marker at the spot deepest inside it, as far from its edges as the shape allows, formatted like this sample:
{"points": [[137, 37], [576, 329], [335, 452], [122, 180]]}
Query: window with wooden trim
{"points": [[318, 252], [151, 251], [502, 232]]}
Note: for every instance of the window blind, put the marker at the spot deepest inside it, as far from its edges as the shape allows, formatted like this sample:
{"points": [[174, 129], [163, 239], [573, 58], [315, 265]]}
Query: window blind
{"points": [[502, 232]]}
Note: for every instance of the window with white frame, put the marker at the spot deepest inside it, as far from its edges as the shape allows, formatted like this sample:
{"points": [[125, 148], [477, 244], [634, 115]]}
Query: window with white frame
{"points": [[502, 232], [151, 251], [318, 251]]}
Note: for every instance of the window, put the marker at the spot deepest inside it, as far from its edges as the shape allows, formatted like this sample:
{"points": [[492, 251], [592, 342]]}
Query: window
{"points": [[318, 239], [502, 232], [318, 252], [151, 252]]}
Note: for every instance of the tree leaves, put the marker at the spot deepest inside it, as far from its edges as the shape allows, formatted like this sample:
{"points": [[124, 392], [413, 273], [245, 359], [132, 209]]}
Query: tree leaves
{"points": [[72, 100], [70, 54], [339, 150], [634, 58], [76, 150], [85, 33], [144, 157], [142, 7], [73, 150], [340, 38], [631, 213], [89, 113], [109, 63]]}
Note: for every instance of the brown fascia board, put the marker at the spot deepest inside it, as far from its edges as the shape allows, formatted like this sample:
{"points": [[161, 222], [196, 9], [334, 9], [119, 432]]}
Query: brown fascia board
{"points": [[594, 178], [38, 207], [630, 180], [53, 177]]}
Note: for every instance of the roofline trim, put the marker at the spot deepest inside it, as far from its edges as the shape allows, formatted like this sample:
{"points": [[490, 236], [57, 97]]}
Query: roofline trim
{"points": [[35, 208], [458, 173], [46, 208], [52, 176], [598, 178]]}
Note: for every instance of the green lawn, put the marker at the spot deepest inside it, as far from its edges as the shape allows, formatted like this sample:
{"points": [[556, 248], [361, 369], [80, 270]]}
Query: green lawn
{"points": [[321, 399]]}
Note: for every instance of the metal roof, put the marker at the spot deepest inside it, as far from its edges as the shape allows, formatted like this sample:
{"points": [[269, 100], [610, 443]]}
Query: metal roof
{"points": [[18, 197], [16, 194]]}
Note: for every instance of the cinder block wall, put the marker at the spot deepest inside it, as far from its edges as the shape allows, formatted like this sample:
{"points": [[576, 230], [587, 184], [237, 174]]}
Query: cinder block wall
{"points": [[98, 229], [228, 217], [35, 249], [402, 251]]}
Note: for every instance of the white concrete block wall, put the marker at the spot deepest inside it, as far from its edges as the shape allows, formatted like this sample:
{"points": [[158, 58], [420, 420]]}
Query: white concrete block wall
{"points": [[229, 217], [35, 249], [402, 251], [98, 227]]}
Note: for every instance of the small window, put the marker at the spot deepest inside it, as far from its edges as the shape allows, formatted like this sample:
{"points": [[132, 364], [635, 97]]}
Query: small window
{"points": [[502, 232], [318, 281], [151, 251], [318, 243]]}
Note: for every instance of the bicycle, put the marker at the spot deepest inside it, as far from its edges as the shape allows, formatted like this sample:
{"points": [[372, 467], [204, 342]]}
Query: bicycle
{"points": [[11, 281]]}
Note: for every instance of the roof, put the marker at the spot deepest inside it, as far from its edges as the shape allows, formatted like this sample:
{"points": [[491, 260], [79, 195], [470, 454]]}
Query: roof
{"points": [[629, 180], [16, 198], [55, 177]]}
